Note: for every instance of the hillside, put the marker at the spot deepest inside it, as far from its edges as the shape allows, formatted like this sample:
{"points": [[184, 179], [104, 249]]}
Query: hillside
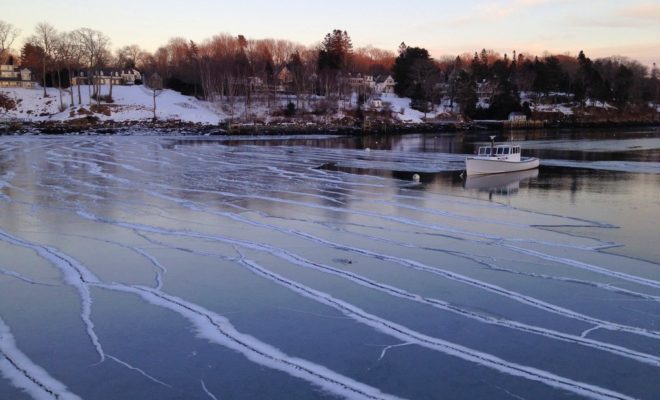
{"points": [[131, 103], [135, 103]]}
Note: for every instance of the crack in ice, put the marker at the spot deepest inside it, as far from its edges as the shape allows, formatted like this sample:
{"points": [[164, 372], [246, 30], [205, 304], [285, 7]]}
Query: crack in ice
{"points": [[24, 374]]}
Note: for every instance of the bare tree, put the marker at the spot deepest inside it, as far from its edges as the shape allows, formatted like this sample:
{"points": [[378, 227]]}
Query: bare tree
{"points": [[59, 60], [69, 54], [94, 46], [130, 56], [8, 34], [155, 84], [45, 36]]}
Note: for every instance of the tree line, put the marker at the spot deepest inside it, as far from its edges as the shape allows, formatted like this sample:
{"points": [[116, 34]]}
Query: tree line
{"points": [[552, 79], [227, 70]]}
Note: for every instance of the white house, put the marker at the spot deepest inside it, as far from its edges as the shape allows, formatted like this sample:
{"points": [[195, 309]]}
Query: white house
{"points": [[359, 81], [385, 84], [485, 92], [517, 117], [127, 77], [376, 103], [11, 76], [255, 82]]}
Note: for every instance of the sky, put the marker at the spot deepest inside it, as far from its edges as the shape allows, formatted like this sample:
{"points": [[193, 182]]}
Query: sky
{"points": [[600, 28]]}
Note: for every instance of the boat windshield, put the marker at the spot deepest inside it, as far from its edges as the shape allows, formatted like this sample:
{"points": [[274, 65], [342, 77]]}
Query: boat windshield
{"points": [[498, 150]]}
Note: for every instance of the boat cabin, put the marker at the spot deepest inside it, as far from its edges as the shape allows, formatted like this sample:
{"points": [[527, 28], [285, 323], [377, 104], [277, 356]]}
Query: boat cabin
{"points": [[499, 150], [495, 159]]}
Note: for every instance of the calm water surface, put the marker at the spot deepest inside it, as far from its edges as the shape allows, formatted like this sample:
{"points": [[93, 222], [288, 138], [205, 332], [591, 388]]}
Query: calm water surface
{"points": [[316, 267]]}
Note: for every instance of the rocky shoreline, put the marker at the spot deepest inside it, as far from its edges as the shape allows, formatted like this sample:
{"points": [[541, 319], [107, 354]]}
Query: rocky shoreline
{"points": [[175, 127]]}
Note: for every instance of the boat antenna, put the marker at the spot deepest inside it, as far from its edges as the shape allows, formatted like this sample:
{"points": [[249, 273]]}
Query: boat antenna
{"points": [[492, 145]]}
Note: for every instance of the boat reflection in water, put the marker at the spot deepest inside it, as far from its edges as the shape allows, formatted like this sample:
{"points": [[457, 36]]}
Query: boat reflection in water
{"points": [[501, 184]]}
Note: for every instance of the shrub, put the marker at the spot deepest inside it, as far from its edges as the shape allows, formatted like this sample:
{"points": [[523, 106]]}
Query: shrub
{"points": [[6, 102], [290, 110]]}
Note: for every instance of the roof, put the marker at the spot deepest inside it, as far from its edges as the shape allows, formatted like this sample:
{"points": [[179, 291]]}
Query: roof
{"points": [[13, 68], [105, 71], [382, 78]]}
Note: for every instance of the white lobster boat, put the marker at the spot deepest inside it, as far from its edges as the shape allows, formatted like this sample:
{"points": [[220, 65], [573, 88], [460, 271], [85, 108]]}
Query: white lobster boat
{"points": [[497, 159]]}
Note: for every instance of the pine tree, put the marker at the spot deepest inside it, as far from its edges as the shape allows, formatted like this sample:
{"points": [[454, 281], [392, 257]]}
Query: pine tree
{"points": [[408, 69], [655, 84], [336, 50], [466, 96], [623, 82], [484, 57]]}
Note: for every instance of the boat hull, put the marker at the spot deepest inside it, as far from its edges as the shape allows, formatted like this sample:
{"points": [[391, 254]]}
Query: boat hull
{"points": [[505, 180], [482, 166]]}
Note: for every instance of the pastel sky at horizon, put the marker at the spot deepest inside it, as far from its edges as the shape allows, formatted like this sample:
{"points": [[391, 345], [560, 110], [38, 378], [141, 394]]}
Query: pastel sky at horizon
{"points": [[600, 28]]}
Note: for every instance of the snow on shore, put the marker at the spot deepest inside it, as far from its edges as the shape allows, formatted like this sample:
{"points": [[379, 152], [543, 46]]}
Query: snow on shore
{"points": [[130, 103], [134, 103], [404, 113]]}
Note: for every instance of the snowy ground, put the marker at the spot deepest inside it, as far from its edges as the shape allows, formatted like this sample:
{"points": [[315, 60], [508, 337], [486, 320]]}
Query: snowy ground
{"points": [[403, 112], [133, 103], [559, 108], [136, 103], [130, 103]]}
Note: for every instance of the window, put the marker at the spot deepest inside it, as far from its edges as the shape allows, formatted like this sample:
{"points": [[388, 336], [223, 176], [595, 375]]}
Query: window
{"points": [[506, 150]]}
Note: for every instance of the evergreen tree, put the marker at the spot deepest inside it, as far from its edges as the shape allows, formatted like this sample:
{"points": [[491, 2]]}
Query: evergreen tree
{"points": [[419, 98], [622, 86], [505, 101], [408, 69], [484, 57], [334, 57], [31, 56], [550, 76], [588, 83], [503, 104], [335, 51], [466, 96], [557, 78], [500, 70], [425, 77], [655, 84], [541, 83], [479, 68]]}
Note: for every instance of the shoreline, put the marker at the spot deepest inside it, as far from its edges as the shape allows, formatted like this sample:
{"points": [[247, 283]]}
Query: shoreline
{"points": [[109, 127]]}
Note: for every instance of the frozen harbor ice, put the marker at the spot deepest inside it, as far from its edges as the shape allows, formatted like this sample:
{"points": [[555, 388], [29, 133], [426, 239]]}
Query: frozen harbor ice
{"points": [[300, 268]]}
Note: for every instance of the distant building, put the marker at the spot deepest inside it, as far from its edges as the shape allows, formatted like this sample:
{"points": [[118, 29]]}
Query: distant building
{"points": [[255, 82], [11, 76], [284, 76], [485, 92], [385, 84], [359, 82], [117, 76], [376, 103], [517, 117], [284, 81]]}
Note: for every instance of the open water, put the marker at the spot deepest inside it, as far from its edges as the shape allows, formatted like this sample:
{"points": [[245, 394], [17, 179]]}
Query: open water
{"points": [[149, 267]]}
